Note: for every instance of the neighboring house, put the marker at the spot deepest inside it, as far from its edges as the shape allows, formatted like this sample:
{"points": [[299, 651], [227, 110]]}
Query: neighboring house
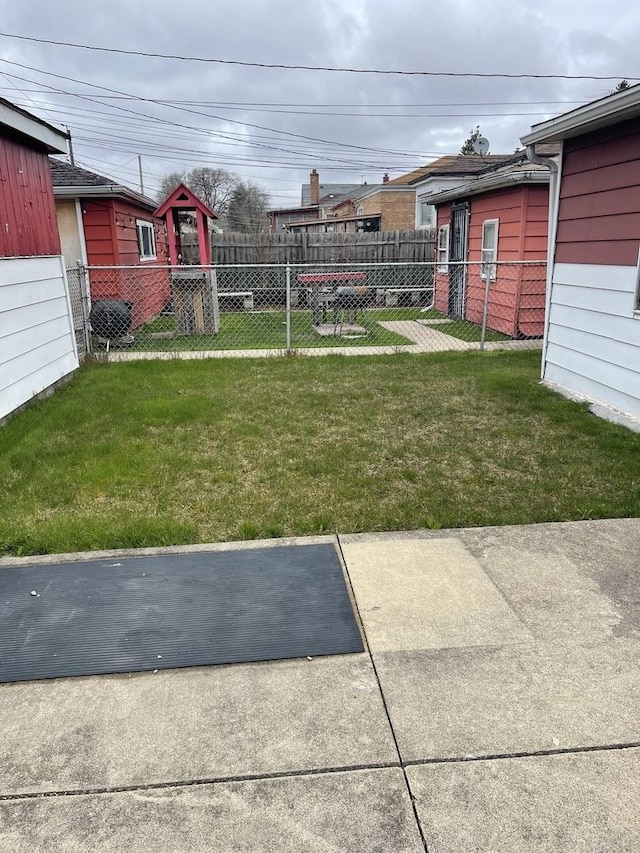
{"points": [[446, 173], [316, 201], [105, 224], [488, 227], [390, 205], [592, 335], [394, 205], [37, 342]]}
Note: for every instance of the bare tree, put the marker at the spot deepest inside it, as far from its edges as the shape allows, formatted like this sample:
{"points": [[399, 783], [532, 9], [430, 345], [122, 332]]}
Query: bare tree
{"points": [[169, 183], [248, 208], [622, 85], [212, 186]]}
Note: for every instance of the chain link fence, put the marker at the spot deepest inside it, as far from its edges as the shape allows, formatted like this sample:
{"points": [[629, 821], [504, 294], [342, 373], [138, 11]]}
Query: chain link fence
{"points": [[240, 310], [80, 306]]}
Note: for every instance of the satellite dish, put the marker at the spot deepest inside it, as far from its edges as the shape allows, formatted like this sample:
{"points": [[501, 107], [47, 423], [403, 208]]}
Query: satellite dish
{"points": [[481, 145]]}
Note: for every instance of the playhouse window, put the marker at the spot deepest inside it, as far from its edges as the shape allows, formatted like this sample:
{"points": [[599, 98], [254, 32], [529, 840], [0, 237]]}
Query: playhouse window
{"points": [[489, 248], [146, 240], [443, 248]]}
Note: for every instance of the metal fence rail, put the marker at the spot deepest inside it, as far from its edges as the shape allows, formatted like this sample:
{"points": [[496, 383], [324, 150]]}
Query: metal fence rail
{"points": [[263, 309]]}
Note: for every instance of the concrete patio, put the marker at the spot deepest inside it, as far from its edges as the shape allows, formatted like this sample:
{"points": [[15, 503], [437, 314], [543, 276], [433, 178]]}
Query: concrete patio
{"points": [[496, 708]]}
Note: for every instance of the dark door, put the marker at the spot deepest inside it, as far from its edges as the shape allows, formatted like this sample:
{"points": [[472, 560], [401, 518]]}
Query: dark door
{"points": [[457, 259]]}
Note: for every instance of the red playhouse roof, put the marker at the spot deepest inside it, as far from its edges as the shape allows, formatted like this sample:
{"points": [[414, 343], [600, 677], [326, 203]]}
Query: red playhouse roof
{"points": [[182, 197]]}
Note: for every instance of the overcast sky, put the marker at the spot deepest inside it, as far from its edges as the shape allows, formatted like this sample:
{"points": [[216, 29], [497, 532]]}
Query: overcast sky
{"points": [[359, 125]]}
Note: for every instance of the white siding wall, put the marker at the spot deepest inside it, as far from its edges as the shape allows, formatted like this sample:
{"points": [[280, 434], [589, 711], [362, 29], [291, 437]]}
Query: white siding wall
{"points": [[593, 337], [430, 186], [37, 342]]}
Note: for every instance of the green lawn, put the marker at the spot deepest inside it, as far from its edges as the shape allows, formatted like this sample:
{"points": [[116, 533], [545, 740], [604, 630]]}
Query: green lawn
{"points": [[262, 330], [267, 330], [156, 453]]}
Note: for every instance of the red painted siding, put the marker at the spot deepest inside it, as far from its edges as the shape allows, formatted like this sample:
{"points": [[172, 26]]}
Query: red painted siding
{"points": [[599, 212], [28, 225], [517, 296], [112, 240]]}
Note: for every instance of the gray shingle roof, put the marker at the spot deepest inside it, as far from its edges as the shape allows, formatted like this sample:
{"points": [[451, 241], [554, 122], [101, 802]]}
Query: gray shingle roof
{"points": [[66, 175], [326, 190]]}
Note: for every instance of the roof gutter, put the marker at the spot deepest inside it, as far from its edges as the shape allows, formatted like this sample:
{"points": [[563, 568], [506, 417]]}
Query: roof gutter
{"points": [[493, 182], [554, 200], [104, 191], [605, 111]]}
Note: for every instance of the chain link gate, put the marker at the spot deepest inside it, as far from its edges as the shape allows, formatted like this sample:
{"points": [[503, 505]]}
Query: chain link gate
{"points": [[262, 309], [80, 308]]}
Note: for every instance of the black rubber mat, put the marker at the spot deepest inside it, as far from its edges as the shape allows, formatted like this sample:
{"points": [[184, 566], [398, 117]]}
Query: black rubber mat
{"points": [[145, 613]]}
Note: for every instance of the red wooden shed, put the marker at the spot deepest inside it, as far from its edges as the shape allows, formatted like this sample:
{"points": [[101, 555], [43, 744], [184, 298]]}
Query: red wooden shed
{"points": [[491, 225], [104, 224]]}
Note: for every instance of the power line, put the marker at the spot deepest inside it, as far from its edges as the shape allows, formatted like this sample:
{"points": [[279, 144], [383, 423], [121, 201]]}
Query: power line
{"points": [[173, 101], [286, 67], [311, 111], [222, 119]]}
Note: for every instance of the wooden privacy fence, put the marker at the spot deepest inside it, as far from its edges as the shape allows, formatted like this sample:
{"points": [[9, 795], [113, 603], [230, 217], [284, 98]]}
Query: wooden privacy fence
{"points": [[302, 248]]}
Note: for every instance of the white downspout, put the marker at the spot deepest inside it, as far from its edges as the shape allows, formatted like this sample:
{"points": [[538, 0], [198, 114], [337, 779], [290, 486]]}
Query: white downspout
{"points": [[554, 200]]}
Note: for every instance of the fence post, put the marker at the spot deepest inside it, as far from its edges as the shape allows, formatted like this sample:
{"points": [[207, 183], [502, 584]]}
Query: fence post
{"points": [[85, 300], [288, 306], [485, 307]]}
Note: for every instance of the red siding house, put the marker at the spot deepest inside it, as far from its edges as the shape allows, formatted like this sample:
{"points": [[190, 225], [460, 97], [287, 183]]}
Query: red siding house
{"points": [[489, 226], [104, 224], [592, 335], [37, 341]]}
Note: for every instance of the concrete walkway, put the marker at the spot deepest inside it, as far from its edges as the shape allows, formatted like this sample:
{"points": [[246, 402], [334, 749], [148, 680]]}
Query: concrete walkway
{"points": [[496, 708]]}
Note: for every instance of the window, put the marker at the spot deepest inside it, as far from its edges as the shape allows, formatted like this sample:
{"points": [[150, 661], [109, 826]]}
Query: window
{"points": [[146, 240], [489, 248], [443, 248], [426, 215], [360, 210]]}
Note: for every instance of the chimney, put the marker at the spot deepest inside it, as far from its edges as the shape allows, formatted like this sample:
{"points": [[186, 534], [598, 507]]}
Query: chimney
{"points": [[314, 180], [385, 178]]}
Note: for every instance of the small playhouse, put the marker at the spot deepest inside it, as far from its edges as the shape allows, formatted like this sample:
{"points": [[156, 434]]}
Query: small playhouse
{"points": [[193, 285]]}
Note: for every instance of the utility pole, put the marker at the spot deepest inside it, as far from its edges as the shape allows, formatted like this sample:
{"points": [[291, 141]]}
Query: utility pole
{"points": [[141, 179], [71, 157]]}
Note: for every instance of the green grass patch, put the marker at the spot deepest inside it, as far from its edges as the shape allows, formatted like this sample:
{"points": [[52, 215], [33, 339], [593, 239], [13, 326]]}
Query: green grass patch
{"points": [[465, 330], [262, 330], [157, 453]]}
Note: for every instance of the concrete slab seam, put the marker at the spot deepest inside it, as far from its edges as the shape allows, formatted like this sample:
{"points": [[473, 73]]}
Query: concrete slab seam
{"points": [[193, 783], [384, 703], [536, 753]]}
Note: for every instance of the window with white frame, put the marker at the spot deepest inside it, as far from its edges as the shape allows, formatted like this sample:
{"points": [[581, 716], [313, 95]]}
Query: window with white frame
{"points": [[426, 215], [443, 248], [489, 248], [360, 210], [146, 240]]}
